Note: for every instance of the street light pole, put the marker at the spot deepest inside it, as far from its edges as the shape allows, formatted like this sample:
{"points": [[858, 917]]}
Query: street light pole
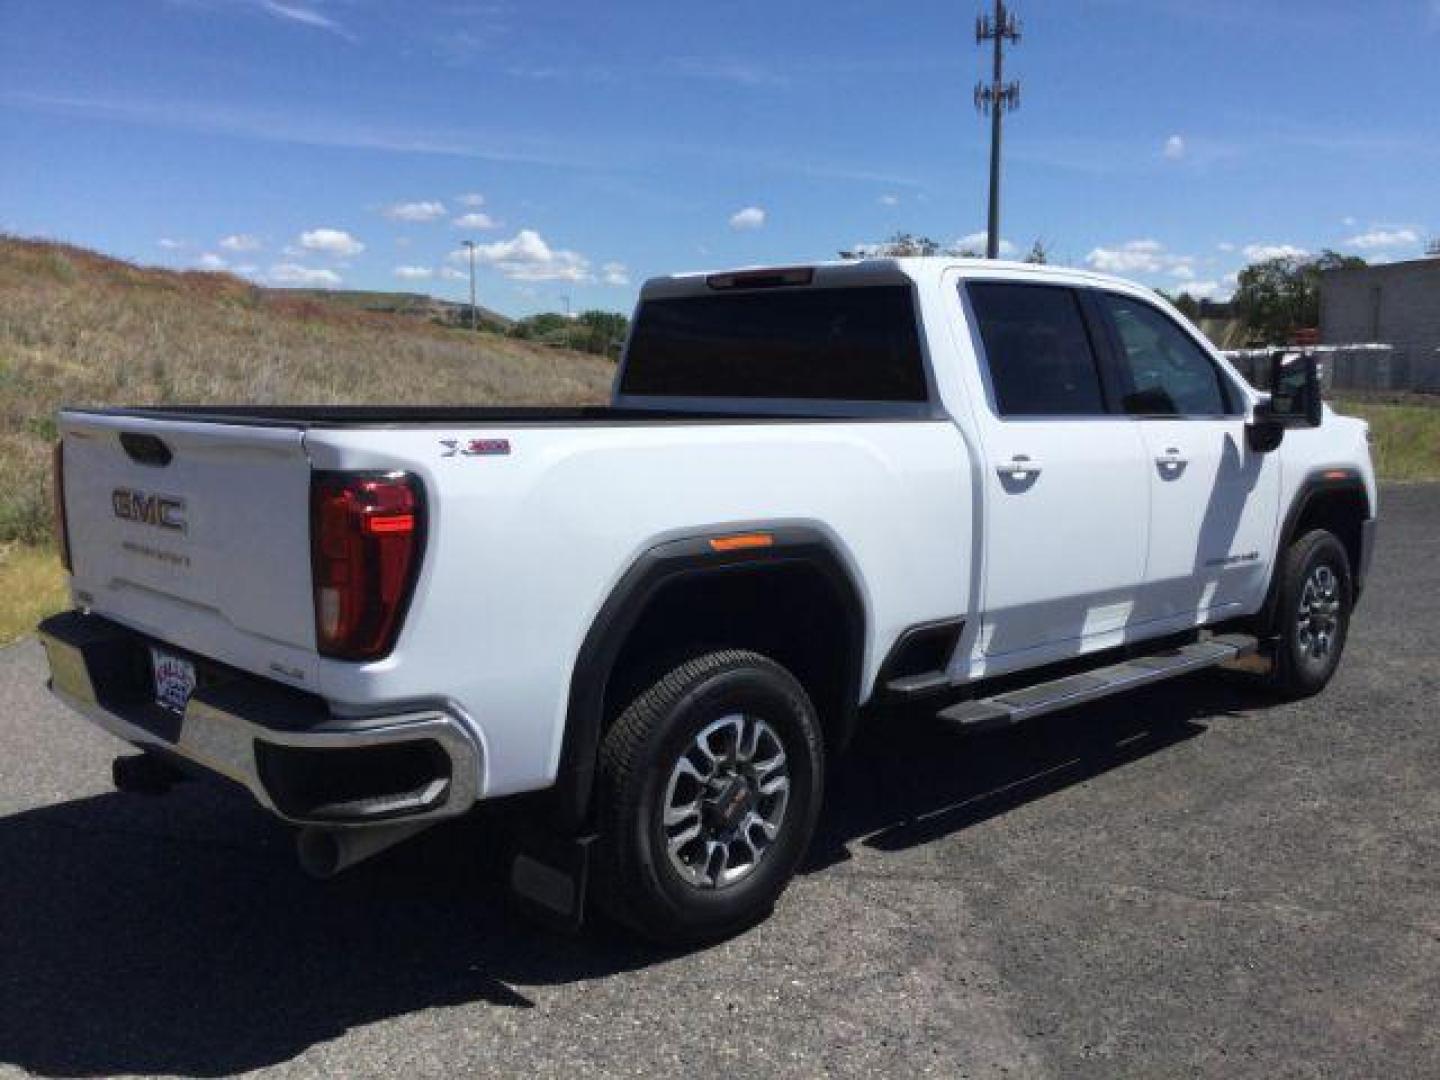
{"points": [[470, 244]]}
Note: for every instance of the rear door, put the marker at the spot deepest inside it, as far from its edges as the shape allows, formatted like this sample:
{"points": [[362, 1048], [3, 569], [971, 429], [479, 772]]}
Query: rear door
{"points": [[1066, 485], [1213, 501], [196, 533]]}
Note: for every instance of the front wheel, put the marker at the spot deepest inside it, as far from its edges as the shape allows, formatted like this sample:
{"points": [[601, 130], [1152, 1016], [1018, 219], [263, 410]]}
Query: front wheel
{"points": [[1312, 618], [710, 784]]}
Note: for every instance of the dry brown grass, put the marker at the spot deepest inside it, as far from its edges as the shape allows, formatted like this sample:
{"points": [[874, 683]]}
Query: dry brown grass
{"points": [[32, 585], [78, 328]]}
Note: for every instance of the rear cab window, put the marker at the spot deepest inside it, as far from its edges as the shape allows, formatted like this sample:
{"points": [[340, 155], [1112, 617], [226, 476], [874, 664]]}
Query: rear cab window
{"points": [[807, 343]]}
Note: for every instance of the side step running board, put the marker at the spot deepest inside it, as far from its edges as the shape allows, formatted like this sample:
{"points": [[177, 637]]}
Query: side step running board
{"points": [[1014, 706]]}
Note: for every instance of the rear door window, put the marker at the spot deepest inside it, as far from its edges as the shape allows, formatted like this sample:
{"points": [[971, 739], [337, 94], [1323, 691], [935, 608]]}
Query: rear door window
{"points": [[1037, 350], [857, 344]]}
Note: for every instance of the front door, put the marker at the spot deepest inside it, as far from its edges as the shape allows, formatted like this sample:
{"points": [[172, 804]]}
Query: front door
{"points": [[1066, 485], [1213, 501]]}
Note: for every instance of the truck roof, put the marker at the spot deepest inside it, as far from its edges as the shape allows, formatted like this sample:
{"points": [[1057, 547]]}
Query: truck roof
{"points": [[880, 270]]}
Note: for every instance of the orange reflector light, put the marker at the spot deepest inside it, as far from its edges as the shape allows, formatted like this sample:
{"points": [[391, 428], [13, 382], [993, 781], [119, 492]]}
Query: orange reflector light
{"points": [[741, 541], [393, 523], [1337, 474]]}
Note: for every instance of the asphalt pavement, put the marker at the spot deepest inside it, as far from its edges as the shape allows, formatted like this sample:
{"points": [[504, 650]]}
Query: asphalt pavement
{"points": [[1192, 880]]}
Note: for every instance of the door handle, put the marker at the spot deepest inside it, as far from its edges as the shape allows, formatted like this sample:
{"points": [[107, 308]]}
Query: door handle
{"points": [[1171, 461], [1020, 467]]}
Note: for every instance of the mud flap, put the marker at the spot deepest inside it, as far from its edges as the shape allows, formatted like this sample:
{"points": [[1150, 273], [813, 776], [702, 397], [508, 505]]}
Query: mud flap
{"points": [[549, 877]]}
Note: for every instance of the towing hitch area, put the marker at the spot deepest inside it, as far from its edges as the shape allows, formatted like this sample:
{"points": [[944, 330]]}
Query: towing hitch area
{"points": [[145, 774]]}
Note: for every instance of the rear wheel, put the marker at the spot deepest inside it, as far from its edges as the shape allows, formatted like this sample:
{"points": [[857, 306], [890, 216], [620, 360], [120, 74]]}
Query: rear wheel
{"points": [[1312, 616], [710, 784]]}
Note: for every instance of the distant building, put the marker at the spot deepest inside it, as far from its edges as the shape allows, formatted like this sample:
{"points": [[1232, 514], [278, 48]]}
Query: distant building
{"points": [[1395, 304]]}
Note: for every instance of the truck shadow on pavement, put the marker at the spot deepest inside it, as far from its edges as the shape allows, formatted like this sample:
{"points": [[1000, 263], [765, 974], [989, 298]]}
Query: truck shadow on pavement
{"points": [[177, 935]]}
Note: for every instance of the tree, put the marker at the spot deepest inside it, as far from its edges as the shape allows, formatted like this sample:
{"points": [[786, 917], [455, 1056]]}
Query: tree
{"points": [[1039, 253], [1276, 297], [1184, 303], [598, 332], [900, 245]]}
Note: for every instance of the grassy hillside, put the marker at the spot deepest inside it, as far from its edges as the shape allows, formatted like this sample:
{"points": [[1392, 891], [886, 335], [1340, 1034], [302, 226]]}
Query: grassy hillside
{"points": [[79, 328]]}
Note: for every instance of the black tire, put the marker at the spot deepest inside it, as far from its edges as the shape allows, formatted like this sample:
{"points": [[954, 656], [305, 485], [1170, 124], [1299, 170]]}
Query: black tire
{"points": [[637, 883], [1302, 667]]}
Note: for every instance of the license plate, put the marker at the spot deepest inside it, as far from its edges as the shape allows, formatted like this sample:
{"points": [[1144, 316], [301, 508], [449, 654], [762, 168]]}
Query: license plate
{"points": [[174, 680]]}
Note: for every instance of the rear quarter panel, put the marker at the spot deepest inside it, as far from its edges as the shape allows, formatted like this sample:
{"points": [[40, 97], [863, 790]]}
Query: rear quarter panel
{"points": [[524, 547]]}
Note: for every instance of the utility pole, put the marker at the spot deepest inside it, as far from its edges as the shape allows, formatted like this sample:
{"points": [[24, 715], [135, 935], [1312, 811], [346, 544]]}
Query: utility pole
{"points": [[470, 245], [994, 100]]}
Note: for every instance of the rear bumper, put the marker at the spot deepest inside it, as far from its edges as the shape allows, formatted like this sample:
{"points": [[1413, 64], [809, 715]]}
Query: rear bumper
{"points": [[286, 747]]}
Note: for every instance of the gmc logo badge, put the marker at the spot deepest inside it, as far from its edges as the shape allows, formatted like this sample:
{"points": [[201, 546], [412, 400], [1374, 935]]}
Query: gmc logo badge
{"points": [[162, 511]]}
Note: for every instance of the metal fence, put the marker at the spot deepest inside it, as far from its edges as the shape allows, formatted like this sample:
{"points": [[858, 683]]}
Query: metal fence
{"points": [[1353, 367]]}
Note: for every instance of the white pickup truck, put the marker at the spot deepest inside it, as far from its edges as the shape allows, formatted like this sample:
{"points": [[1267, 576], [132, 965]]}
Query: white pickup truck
{"points": [[998, 490]]}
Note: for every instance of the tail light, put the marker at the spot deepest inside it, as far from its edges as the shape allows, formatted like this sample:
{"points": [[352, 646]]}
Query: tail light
{"points": [[366, 533], [57, 493]]}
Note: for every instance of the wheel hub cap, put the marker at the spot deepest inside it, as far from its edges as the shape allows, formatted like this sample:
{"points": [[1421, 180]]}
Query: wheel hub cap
{"points": [[725, 801], [1318, 617]]}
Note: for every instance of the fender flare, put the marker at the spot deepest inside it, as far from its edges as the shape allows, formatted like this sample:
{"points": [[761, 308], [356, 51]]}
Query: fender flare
{"points": [[658, 567], [1318, 483]]}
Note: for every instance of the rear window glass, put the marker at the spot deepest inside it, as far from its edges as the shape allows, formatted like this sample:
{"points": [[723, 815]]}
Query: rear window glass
{"points": [[1037, 350], [856, 344]]}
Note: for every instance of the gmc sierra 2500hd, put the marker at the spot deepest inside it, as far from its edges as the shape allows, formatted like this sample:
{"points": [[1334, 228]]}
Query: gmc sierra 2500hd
{"points": [[997, 489]]}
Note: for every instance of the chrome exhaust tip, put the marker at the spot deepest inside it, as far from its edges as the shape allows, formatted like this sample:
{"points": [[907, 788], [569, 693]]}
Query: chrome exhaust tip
{"points": [[324, 852]]}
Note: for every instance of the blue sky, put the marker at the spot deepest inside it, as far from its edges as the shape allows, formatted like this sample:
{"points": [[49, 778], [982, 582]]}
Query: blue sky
{"points": [[585, 146]]}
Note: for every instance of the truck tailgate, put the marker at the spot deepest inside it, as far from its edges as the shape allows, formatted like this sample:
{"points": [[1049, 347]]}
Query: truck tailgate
{"points": [[196, 533]]}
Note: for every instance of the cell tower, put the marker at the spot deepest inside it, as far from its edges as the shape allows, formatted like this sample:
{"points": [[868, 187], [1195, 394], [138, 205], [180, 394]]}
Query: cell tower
{"points": [[994, 100]]}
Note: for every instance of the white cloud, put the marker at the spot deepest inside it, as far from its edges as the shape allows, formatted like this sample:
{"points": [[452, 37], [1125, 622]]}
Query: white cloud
{"points": [[751, 217], [416, 211], [1225, 245], [414, 273], [240, 242], [1183, 272], [295, 274], [471, 198], [449, 273], [527, 257], [888, 200], [331, 242], [975, 241], [1174, 148], [737, 72], [170, 244], [1138, 257], [211, 261], [1348, 221], [292, 12], [1384, 238], [476, 219], [615, 273], [1201, 290], [1265, 252]]}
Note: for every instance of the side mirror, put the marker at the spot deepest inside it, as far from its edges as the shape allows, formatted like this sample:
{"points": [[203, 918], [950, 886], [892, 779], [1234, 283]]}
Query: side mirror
{"points": [[1295, 390], [1294, 401]]}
